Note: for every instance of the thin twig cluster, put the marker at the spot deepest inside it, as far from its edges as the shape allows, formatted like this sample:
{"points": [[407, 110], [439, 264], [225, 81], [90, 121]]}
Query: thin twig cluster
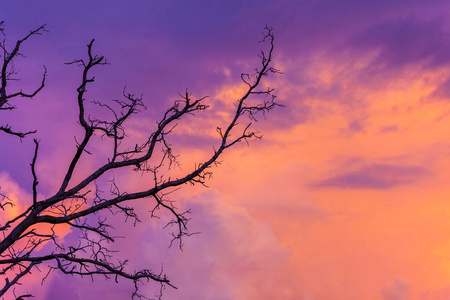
{"points": [[7, 74]]}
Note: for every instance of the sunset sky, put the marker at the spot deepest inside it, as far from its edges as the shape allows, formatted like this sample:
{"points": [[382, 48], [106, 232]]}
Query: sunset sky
{"points": [[347, 196]]}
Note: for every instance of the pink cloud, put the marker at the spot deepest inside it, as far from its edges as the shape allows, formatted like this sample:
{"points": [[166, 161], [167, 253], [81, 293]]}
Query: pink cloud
{"points": [[234, 257]]}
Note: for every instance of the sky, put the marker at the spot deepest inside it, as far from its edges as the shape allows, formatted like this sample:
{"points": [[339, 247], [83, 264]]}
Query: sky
{"points": [[347, 195]]}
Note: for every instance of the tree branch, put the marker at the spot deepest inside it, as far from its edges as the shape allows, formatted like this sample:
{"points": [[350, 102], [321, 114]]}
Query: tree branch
{"points": [[75, 205], [7, 70], [33, 171]]}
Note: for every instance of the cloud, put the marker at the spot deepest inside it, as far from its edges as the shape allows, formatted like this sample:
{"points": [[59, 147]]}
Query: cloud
{"points": [[404, 42], [441, 293], [400, 289], [388, 128], [442, 91], [234, 257], [15, 195], [376, 176]]}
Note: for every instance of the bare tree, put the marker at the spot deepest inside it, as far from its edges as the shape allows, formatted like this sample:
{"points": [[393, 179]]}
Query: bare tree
{"points": [[82, 205]]}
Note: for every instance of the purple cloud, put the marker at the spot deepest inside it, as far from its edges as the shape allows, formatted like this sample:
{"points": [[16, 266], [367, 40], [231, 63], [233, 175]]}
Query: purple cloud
{"points": [[389, 128], [400, 289], [376, 176], [404, 42], [205, 269]]}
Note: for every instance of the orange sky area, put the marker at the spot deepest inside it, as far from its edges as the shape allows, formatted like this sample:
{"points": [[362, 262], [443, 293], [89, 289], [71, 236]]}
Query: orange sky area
{"points": [[352, 240]]}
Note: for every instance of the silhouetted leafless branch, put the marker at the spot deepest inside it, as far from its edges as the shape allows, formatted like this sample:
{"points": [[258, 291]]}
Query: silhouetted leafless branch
{"points": [[82, 205], [8, 71]]}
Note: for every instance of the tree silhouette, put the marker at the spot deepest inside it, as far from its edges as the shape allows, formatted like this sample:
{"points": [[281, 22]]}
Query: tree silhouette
{"points": [[78, 203]]}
